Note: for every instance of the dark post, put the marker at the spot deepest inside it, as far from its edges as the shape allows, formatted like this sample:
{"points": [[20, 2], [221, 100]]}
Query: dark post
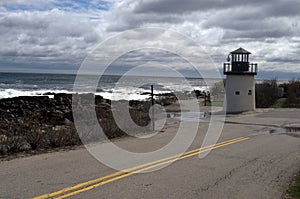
{"points": [[152, 95], [152, 102]]}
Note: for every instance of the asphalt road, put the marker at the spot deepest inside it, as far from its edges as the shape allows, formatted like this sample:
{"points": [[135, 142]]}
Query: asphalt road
{"points": [[248, 162]]}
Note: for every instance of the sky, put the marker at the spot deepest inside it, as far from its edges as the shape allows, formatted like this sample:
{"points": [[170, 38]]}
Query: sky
{"points": [[56, 36]]}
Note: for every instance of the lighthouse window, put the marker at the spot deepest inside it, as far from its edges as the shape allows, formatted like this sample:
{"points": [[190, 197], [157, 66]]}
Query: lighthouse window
{"points": [[237, 92], [250, 92]]}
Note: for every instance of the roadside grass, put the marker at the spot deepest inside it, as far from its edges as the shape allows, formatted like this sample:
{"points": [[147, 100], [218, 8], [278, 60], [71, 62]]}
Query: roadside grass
{"points": [[215, 103], [279, 103], [294, 190]]}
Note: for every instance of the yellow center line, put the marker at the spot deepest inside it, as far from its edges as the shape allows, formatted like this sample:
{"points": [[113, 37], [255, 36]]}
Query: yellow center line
{"points": [[128, 172], [122, 172], [141, 170]]}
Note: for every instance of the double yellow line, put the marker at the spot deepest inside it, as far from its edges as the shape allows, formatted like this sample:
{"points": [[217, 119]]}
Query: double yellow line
{"points": [[86, 186]]}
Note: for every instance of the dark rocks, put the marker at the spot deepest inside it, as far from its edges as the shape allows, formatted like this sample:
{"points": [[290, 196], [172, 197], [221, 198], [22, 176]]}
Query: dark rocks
{"points": [[63, 99], [49, 93], [166, 99], [33, 123]]}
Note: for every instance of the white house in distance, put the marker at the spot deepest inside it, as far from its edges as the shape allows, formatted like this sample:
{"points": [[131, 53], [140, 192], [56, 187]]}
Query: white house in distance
{"points": [[240, 83]]}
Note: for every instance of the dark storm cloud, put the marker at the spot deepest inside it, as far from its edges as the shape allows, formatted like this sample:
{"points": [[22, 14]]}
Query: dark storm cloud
{"points": [[238, 18], [256, 34], [180, 7], [124, 20], [279, 19], [283, 8], [49, 37], [284, 60]]}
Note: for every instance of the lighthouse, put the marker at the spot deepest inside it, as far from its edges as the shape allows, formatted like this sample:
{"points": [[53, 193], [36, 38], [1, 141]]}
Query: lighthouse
{"points": [[240, 82]]}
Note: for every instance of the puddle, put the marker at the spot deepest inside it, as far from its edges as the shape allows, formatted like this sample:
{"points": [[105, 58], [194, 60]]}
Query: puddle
{"points": [[292, 130], [188, 116], [288, 130]]}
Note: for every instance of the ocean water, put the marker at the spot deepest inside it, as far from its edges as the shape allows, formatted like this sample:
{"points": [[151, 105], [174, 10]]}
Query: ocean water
{"points": [[110, 86]]}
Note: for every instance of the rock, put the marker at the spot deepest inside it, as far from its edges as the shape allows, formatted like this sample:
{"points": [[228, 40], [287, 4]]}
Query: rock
{"points": [[49, 93], [99, 99], [68, 122], [63, 99], [166, 100]]}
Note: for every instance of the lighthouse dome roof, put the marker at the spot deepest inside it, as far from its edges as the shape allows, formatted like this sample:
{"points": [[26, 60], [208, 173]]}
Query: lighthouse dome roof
{"points": [[240, 51]]}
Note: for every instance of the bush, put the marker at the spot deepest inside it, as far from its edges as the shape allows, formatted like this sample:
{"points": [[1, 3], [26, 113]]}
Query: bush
{"points": [[266, 93], [292, 94], [61, 137]]}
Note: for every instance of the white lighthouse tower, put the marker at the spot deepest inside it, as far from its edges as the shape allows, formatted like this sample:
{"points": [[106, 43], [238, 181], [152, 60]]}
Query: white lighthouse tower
{"points": [[240, 83]]}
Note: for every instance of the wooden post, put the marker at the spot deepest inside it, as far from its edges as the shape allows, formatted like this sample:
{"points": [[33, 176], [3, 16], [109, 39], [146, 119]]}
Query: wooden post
{"points": [[152, 102]]}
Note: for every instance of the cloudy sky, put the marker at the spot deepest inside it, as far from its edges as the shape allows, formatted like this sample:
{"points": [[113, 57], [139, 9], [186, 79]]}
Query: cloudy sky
{"points": [[57, 35]]}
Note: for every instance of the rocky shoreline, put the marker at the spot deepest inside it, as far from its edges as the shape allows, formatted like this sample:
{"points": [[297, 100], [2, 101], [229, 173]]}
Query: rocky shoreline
{"points": [[39, 123]]}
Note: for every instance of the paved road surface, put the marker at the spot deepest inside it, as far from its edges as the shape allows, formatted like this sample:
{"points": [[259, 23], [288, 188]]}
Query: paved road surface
{"points": [[255, 165]]}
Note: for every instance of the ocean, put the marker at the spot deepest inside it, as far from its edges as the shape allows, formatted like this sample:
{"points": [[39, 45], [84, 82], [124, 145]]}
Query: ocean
{"points": [[110, 86]]}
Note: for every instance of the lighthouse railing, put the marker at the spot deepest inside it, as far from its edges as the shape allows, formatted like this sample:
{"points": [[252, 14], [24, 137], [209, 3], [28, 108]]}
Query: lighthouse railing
{"points": [[227, 69], [253, 68]]}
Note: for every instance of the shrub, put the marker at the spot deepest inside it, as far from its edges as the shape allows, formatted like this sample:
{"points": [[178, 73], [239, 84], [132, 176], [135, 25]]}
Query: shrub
{"points": [[266, 93], [293, 94]]}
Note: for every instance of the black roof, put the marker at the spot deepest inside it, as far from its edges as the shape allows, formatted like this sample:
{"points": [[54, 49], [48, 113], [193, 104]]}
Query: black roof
{"points": [[240, 51]]}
